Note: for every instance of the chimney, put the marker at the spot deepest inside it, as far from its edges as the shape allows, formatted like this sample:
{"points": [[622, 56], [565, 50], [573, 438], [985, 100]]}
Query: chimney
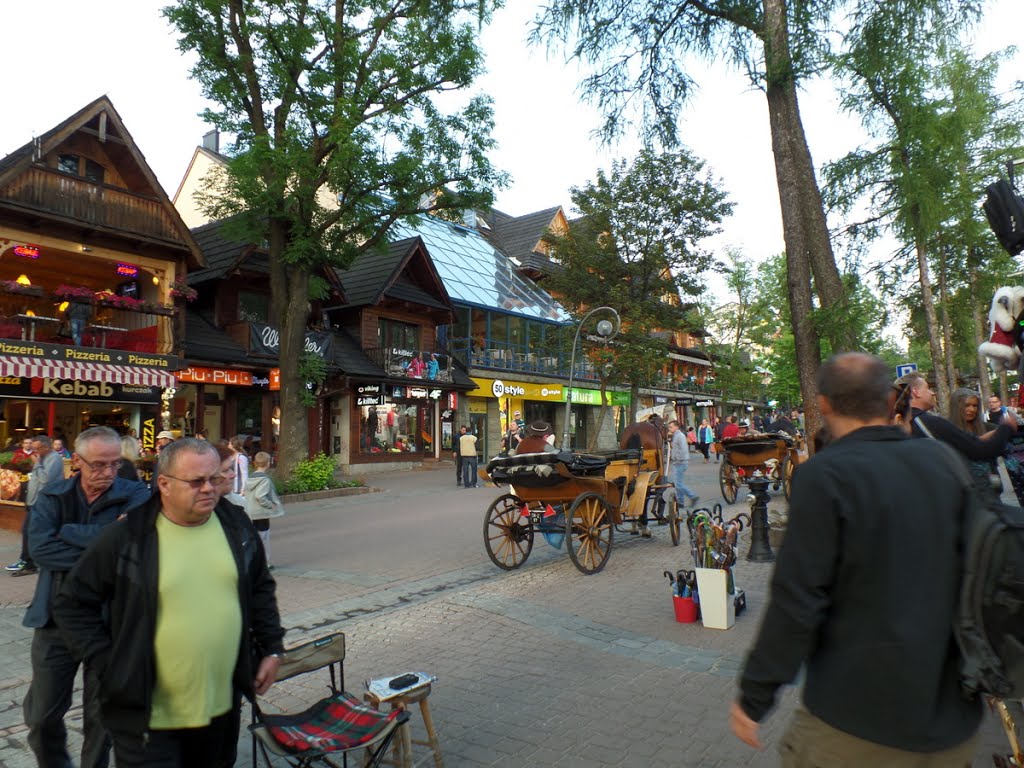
{"points": [[211, 141]]}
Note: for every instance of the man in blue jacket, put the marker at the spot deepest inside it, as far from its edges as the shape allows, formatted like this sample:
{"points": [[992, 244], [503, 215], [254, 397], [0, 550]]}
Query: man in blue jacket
{"points": [[66, 517]]}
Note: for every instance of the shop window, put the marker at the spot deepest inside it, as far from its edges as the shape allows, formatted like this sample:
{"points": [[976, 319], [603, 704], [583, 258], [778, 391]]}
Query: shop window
{"points": [[401, 427], [253, 307]]}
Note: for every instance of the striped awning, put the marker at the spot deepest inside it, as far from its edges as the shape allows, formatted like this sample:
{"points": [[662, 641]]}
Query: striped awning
{"points": [[688, 359], [30, 367]]}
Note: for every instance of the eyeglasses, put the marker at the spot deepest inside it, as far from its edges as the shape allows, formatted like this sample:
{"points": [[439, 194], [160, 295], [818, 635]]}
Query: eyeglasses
{"points": [[100, 466], [196, 483]]}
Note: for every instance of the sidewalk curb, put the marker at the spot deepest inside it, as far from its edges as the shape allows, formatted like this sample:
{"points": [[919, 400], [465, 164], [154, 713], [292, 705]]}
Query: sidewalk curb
{"points": [[295, 498]]}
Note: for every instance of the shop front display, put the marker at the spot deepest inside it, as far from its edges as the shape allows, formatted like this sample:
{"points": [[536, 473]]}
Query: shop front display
{"points": [[228, 402], [396, 419]]}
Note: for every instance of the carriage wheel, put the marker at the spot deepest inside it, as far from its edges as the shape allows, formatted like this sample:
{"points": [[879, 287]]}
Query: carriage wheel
{"points": [[508, 536], [786, 473], [728, 482], [589, 531], [675, 525]]}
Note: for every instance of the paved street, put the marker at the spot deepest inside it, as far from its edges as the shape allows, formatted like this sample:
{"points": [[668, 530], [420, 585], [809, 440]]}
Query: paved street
{"points": [[542, 666]]}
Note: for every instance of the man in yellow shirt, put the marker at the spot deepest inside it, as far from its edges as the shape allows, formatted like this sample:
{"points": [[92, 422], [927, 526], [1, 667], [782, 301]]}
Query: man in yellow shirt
{"points": [[186, 581]]}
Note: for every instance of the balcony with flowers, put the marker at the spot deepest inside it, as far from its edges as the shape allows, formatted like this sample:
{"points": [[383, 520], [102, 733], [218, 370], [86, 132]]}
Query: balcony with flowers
{"points": [[87, 301]]}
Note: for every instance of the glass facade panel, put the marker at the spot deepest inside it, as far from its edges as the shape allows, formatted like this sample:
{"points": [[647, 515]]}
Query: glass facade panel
{"points": [[474, 272]]}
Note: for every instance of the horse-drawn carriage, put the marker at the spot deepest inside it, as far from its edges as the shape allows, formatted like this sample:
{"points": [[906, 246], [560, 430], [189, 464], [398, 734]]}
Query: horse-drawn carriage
{"points": [[584, 497], [774, 455]]}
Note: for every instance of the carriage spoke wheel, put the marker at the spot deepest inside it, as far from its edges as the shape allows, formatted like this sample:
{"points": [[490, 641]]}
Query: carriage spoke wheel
{"points": [[786, 473], [728, 482], [508, 536], [675, 525], [589, 531]]}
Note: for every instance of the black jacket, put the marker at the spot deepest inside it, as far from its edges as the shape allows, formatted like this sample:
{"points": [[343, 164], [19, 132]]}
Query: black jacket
{"points": [[969, 445], [62, 525], [864, 592], [119, 572]]}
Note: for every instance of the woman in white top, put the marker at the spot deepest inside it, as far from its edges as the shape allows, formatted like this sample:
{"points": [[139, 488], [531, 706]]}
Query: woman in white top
{"points": [[241, 466]]}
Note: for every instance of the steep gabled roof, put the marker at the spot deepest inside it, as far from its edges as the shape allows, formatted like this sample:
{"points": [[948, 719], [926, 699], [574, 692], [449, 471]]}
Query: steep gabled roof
{"points": [[110, 128], [375, 275], [519, 236], [206, 343], [224, 255]]}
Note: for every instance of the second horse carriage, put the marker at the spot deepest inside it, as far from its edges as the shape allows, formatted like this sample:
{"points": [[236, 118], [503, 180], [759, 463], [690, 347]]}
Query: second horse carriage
{"points": [[775, 456], [584, 497]]}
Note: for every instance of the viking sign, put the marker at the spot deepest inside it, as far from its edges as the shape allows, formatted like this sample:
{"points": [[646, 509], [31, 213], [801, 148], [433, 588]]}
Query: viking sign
{"points": [[266, 340]]}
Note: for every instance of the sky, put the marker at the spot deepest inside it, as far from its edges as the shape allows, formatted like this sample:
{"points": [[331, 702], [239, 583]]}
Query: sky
{"points": [[64, 54]]}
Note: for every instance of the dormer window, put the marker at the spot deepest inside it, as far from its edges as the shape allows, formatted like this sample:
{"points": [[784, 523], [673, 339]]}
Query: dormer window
{"points": [[73, 165]]}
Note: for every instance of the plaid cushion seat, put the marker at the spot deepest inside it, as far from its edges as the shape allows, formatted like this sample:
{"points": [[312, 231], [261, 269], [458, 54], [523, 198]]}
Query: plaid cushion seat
{"points": [[340, 722]]}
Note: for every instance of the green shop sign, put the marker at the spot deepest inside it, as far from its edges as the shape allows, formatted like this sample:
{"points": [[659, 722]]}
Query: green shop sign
{"points": [[593, 397]]}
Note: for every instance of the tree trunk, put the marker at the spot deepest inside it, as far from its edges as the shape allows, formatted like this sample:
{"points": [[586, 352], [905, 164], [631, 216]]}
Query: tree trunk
{"points": [[947, 333], [805, 229], [290, 296], [931, 320], [634, 401], [978, 328], [791, 158]]}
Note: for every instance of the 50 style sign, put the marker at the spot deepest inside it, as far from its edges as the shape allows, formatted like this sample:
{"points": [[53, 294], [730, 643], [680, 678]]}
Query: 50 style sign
{"points": [[266, 340]]}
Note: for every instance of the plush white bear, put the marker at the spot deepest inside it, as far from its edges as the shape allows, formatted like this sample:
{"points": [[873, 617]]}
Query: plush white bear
{"points": [[1001, 348]]}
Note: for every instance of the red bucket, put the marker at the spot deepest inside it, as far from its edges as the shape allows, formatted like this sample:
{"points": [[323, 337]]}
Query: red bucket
{"points": [[686, 609]]}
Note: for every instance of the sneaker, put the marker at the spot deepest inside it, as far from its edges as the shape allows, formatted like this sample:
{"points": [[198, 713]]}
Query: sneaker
{"points": [[17, 566], [694, 500], [28, 570]]}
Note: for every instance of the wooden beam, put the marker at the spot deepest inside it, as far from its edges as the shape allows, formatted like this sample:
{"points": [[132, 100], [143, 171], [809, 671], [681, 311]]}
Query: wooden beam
{"points": [[103, 126]]}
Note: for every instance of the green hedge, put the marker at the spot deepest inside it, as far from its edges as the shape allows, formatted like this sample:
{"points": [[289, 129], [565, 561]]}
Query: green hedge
{"points": [[316, 474]]}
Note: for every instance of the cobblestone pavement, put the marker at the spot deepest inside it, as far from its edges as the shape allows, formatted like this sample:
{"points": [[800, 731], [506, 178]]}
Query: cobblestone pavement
{"points": [[541, 666]]}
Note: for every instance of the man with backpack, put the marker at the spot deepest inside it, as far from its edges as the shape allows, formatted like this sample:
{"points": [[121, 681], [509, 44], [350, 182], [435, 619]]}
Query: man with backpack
{"points": [[865, 594]]}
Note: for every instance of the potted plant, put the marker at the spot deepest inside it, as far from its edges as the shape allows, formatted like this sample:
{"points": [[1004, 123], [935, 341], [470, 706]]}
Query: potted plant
{"points": [[183, 291], [78, 293], [13, 286]]}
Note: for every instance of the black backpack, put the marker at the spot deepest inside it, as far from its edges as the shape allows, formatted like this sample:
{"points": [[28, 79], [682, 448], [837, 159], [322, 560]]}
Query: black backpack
{"points": [[990, 620], [1005, 211], [989, 623]]}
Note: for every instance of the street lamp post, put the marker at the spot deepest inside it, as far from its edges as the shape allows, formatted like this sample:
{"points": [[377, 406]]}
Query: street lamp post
{"points": [[606, 331]]}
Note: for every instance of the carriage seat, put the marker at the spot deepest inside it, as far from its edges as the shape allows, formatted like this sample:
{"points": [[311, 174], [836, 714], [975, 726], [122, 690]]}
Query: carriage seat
{"points": [[539, 469]]}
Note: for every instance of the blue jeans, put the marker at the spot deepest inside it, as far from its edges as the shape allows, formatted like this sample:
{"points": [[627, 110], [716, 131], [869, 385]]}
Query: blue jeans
{"points": [[682, 492], [469, 479]]}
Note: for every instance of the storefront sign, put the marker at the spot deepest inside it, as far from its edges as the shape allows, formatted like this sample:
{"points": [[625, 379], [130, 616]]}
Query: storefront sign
{"points": [[43, 351], [705, 403], [370, 389], [215, 376], [519, 389], [684, 401], [266, 340], [67, 389], [275, 379], [593, 397], [370, 400], [418, 392], [258, 381], [453, 401]]}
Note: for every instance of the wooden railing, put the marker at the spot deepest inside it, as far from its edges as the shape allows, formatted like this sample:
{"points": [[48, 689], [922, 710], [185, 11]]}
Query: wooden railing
{"points": [[81, 200]]}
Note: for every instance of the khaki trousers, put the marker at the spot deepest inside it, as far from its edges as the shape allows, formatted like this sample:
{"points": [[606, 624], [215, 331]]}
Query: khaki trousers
{"points": [[812, 743]]}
